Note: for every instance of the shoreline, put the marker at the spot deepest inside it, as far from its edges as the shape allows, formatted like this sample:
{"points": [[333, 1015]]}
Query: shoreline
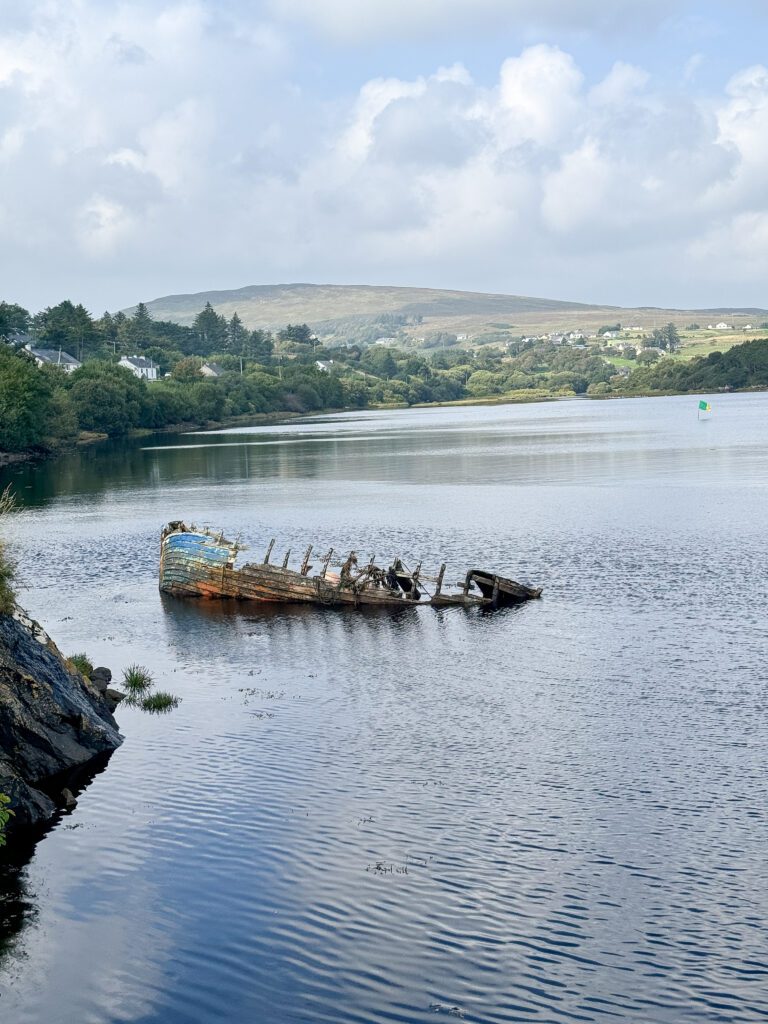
{"points": [[511, 398]]}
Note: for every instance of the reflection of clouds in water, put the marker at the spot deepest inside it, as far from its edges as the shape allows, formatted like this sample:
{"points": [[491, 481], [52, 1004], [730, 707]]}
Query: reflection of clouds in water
{"points": [[122, 955], [96, 916], [568, 784]]}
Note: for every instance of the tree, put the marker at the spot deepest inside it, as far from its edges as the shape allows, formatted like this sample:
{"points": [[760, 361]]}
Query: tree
{"points": [[107, 398], [141, 329], [13, 319], [68, 327], [647, 355], [260, 346], [25, 396], [298, 334], [187, 369], [107, 328], [672, 338], [379, 361], [211, 330], [237, 336]]}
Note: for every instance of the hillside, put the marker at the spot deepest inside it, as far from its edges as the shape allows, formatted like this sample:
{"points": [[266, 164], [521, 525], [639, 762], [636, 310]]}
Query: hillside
{"points": [[331, 309]]}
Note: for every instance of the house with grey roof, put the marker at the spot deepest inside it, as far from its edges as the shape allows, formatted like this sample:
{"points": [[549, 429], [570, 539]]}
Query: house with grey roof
{"points": [[140, 367], [53, 357], [212, 370]]}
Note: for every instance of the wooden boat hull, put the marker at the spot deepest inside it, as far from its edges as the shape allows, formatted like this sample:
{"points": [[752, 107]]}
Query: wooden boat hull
{"points": [[201, 565], [498, 590]]}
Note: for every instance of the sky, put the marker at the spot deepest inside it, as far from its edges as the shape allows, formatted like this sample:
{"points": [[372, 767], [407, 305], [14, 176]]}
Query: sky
{"points": [[609, 151]]}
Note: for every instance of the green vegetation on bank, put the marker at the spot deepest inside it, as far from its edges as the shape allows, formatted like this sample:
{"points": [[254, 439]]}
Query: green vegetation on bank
{"points": [[5, 816], [252, 372], [7, 567]]}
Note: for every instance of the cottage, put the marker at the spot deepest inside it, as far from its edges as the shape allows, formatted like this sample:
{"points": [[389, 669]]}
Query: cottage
{"points": [[722, 327], [53, 357], [214, 370], [140, 367], [324, 365]]}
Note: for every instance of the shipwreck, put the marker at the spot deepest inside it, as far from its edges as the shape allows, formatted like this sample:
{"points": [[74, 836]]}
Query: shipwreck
{"points": [[202, 563]]}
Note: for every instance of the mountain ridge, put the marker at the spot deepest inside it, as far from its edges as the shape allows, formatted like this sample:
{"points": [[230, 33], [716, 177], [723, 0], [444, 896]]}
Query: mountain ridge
{"points": [[327, 306]]}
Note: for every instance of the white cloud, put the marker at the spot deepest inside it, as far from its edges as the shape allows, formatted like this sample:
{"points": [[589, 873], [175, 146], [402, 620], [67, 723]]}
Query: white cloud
{"points": [[355, 20], [157, 147]]}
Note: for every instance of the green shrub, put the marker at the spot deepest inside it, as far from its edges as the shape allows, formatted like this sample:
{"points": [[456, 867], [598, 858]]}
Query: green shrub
{"points": [[7, 573], [137, 679], [82, 663], [5, 815], [160, 702]]}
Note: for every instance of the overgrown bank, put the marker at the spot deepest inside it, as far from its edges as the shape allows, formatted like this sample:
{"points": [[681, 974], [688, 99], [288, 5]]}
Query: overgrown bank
{"points": [[217, 372]]}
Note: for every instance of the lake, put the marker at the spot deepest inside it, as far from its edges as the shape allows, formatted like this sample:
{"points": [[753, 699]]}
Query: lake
{"points": [[550, 813]]}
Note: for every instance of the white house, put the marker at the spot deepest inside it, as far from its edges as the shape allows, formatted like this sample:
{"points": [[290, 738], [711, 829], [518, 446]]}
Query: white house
{"points": [[324, 365], [212, 370], [53, 357], [722, 327], [140, 367]]}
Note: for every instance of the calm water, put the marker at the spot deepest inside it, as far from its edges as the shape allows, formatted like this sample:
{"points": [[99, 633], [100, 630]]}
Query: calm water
{"points": [[552, 814]]}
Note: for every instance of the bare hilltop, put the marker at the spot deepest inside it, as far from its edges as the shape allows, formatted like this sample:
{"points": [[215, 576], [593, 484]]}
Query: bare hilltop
{"points": [[332, 309]]}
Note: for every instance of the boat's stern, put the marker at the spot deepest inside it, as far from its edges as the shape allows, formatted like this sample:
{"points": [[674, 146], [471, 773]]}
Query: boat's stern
{"points": [[194, 562]]}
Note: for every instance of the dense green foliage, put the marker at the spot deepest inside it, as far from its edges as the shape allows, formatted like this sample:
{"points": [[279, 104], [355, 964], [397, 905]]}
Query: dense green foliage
{"points": [[5, 815], [743, 366], [257, 373]]}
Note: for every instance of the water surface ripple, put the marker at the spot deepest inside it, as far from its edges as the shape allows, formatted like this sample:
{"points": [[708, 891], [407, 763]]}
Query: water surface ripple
{"points": [[553, 814]]}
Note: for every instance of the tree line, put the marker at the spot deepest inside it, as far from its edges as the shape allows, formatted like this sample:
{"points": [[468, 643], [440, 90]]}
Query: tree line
{"points": [[44, 408]]}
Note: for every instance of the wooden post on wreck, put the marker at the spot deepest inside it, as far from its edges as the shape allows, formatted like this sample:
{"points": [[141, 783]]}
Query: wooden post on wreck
{"points": [[305, 563], [287, 556], [440, 579], [326, 563], [269, 551]]}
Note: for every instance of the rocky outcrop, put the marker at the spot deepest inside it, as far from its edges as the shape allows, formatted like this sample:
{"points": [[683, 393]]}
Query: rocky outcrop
{"points": [[53, 721]]}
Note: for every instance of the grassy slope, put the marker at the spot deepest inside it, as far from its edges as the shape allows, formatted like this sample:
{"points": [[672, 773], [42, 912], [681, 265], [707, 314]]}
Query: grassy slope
{"points": [[471, 313]]}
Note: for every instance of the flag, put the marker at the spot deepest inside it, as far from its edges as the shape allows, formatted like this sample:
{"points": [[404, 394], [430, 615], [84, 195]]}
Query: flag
{"points": [[705, 406]]}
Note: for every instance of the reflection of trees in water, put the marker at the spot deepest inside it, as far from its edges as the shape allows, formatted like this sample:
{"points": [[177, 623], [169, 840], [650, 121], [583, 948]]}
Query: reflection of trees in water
{"points": [[18, 906], [99, 468]]}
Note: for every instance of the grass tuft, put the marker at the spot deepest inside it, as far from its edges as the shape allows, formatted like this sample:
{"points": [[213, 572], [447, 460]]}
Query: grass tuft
{"points": [[137, 679], [7, 567], [160, 702], [5, 815], [7, 573], [82, 663]]}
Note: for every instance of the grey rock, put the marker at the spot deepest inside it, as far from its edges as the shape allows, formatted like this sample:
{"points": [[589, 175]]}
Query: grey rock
{"points": [[101, 673], [113, 698], [52, 721], [68, 799]]}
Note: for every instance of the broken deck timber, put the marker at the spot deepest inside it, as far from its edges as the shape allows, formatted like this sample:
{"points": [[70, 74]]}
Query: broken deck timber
{"points": [[201, 563]]}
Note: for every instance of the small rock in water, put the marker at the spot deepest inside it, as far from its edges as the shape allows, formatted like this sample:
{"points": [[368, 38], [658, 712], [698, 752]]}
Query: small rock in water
{"points": [[68, 799], [113, 698]]}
